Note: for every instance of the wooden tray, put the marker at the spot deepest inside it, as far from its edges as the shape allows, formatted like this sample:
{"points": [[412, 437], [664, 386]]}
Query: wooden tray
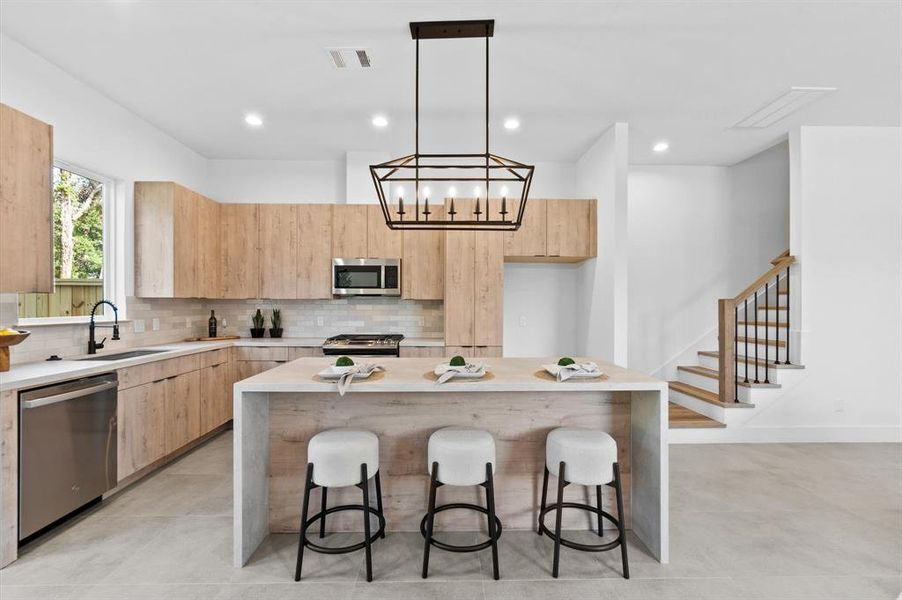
{"points": [[5, 342], [214, 339]]}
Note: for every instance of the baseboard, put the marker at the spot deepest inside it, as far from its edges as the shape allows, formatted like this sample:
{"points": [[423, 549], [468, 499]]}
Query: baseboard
{"points": [[772, 435]]}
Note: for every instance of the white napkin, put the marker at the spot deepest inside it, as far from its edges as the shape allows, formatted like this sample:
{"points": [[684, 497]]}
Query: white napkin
{"points": [[446, 371], [563, 373], [348, 374]]}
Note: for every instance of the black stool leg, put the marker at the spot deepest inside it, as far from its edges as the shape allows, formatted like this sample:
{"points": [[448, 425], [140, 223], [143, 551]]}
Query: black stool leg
{"points": [[490, 505], [303, 535], [621, 526], [557, 520], [600, 518], [430, 518], [379, 500], [322, 521], [544, 496], [365, 486]]}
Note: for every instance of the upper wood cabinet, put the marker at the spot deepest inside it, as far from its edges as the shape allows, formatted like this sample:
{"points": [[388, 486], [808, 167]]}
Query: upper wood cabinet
{"points": [[209, 248], [488, 305], [26, 203], [423, 263], [239, 258], [166, 240], [349, 225], [572, 229], [382, 242], [278, 242], [528, 241], [314, 251], [460, 287]]}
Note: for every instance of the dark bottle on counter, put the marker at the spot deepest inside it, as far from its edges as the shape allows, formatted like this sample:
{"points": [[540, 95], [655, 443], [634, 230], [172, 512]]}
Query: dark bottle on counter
{"points": [[211, 328]]}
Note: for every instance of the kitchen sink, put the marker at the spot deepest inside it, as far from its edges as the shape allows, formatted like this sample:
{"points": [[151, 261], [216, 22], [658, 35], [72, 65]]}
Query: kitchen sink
{"points": [[122, 355]]}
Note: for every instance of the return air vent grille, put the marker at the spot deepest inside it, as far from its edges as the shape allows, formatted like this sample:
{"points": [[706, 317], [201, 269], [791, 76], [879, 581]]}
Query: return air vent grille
{"points": [[350, 58], [782, 107]]}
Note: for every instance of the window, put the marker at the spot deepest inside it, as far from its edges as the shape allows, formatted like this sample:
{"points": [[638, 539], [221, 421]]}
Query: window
{"points": [[80, 202]]}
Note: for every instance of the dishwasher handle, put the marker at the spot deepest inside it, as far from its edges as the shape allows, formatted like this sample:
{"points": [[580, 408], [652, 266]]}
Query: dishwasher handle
{"points": [[38, 402]]}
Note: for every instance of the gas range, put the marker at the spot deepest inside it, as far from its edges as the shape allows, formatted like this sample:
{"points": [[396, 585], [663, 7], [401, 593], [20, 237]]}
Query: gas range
{"points": [[363, 344]]}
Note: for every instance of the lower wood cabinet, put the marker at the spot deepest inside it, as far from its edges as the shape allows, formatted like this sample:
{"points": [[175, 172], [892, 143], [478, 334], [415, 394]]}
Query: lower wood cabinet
{"points": [[215, 396], [473, 351], [423, 351], [182, 410], [141, 427]]}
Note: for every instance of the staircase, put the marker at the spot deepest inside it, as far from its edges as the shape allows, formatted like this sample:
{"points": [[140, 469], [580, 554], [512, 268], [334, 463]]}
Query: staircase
{"points": [[751, 363]]}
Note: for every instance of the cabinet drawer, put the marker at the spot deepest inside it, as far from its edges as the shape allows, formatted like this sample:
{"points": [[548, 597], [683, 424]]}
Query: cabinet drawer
{"points": [[261, 353], [216, 357], [295, 353], [422, 351], [155, 371]]}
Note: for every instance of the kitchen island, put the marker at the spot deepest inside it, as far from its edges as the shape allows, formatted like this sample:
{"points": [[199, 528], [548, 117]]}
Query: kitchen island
{"points": [[277, 412]]}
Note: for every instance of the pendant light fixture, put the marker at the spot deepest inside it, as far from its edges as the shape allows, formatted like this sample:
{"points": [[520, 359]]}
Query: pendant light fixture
{"points": [[496, 179]]}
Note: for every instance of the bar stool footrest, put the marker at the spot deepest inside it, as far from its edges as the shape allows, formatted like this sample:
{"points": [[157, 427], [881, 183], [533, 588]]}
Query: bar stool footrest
{"points": [[576, 545], [344, 549], [456, 548]]}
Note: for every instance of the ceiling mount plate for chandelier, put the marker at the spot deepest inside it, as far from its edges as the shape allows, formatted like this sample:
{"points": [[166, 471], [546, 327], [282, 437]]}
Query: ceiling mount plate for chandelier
{"points": [[500, 185]]}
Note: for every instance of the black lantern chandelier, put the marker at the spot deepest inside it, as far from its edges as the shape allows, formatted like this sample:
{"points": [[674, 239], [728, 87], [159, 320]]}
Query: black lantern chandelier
{"points": [[489, 173]]}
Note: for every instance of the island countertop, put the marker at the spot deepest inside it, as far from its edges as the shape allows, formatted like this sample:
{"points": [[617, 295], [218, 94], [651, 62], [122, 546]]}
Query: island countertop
{"points": [[416, 375]]}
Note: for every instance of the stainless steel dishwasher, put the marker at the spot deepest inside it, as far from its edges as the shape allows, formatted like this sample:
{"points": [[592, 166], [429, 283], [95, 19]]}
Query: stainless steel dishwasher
{"points": [[67, 449]]}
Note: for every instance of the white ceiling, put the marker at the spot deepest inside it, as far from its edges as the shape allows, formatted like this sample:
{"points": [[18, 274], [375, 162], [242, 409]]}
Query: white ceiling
{"points": [[684, 72]]}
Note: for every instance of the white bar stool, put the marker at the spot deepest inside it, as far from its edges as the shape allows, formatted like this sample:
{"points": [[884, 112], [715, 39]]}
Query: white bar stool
{"points": [[461, 456], [339, 458], [583, 457]]}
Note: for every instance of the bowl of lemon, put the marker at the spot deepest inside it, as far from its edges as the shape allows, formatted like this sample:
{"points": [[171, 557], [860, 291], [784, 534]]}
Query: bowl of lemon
{"points": [[9, 337]]}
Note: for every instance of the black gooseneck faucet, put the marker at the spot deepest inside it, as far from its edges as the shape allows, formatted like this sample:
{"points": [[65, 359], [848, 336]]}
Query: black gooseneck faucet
{"points": [[94, 346]]}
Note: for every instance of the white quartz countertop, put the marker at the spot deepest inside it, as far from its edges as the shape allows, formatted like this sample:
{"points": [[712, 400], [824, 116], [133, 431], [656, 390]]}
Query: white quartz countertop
{"points": [[414, 375]]}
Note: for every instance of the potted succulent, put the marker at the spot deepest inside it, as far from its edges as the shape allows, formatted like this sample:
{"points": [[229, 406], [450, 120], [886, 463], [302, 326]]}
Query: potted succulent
{"points": [[258, 330], [276, 320]]}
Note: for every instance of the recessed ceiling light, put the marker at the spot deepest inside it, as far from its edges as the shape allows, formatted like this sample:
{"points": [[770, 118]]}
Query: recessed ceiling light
{"points": [[661, 147], [253, 119], [380, 121], [511, 123]]}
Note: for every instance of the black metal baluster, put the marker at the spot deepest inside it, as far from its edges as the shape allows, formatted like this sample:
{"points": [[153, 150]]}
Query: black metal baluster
{"points": [[746, 338], [756, 336], [777, 312], [766, 328], [736, 354], [786, 362]]}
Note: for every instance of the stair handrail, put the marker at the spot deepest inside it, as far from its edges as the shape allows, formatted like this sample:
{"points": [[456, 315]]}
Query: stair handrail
{"points": [[728, 324]]}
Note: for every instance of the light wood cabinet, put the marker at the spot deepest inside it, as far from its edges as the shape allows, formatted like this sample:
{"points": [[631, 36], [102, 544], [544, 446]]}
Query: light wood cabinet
{"points": [[349, 236], [314, 251], [423, 263], [249, 368], [382, 242], [182, 410], [304, 352], [528, 241], [166, 240], [216, 396], [474, 280], [209, 249], [252, 360], [26, 203], [278, 243], [141, 427], [240, 261], [571, 229], [422, 351]]}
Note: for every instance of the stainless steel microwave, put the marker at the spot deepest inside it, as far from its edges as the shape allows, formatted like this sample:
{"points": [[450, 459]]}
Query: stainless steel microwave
{"points": [[366, 277]]}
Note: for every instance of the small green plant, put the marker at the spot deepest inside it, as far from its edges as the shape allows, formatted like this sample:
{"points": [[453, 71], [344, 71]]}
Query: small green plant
{"points": [[344, 361], [566, 361], [276, 319], [457, 361], [258, 320]]}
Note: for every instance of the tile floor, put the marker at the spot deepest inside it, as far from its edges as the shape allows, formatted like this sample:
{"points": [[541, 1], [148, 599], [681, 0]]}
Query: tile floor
{"points": [[795, 521]]}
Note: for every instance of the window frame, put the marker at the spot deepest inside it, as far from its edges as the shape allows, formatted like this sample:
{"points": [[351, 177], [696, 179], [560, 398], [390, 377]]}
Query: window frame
{"points": [[112, 268]]}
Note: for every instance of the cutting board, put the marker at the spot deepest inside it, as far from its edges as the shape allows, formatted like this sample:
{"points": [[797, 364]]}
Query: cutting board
{"points": [[214, 339]]}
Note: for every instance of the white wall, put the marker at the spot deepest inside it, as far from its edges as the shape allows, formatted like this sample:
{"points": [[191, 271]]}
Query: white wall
{"points": [[601, 173], [847, 226], [276, 181], [539, 309], [697, 234]]}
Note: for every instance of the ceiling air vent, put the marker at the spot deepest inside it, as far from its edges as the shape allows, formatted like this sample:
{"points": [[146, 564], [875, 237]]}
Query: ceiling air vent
{"points": [[350, 58], [782, 107]]}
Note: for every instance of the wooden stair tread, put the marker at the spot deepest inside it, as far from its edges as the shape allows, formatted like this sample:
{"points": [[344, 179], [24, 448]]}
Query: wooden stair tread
{"points": [[781, 325], [772, 307], [705, 395], [684, 418], [714, 373], [768, 342], [761, 361]]}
